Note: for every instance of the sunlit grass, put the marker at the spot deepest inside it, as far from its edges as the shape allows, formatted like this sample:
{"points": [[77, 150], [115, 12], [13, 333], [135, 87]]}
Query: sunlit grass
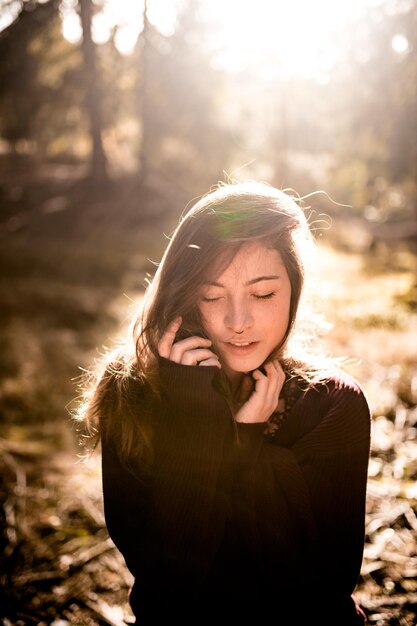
{"points": [[372, 323], [353, 294]]}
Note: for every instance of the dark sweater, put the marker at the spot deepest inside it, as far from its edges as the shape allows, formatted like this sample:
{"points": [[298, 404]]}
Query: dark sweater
{"points": [[233, 524]]}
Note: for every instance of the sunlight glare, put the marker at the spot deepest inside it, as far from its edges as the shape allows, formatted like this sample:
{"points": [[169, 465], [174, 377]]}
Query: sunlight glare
{"points": [[71, 28], [272, 39], [400, 44], [126, 17], [281, 39]]}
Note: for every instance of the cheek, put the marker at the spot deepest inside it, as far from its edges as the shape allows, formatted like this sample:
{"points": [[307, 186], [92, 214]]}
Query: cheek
{"points": [[208, 320], [280, 316], [212, 322]]}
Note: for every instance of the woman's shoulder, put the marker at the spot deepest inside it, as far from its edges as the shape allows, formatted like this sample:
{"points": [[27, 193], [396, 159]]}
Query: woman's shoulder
{"points": [[327, 379], [122, 391], [341, 402], [335, 379], [328, 407]]}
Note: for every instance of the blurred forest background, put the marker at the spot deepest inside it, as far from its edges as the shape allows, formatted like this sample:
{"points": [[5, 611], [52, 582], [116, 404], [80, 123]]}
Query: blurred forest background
{"points": [[114, 115]]}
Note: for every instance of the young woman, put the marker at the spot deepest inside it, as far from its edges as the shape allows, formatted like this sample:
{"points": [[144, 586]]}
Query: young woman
{"points": [[234, 467]]}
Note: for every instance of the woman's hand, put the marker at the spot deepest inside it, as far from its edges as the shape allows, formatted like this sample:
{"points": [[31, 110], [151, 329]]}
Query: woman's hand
{"points": [[259, 395], [190, 351]]}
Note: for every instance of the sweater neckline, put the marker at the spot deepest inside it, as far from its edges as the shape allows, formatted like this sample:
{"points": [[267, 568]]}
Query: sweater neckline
{"points": [[292, 390]]}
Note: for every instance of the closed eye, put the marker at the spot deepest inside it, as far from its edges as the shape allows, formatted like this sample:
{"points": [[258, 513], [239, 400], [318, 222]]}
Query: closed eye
{"points": [[207, 299], [265, 296]]}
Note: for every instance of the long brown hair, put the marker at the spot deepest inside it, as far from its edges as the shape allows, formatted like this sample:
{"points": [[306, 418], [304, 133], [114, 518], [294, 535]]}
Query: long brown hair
{"points": [[208, 235]]}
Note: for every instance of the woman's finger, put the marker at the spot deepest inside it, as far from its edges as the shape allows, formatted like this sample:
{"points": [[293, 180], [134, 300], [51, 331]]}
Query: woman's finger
{"points": [[167, 340], [213, 361], [263, 401], [281, 375], [245, 389], [193, 357], [276, 377], [180, 348]]}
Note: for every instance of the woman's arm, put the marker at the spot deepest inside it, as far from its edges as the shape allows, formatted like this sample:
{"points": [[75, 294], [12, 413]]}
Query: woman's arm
{"points": [[308, 489], [127, 508]]}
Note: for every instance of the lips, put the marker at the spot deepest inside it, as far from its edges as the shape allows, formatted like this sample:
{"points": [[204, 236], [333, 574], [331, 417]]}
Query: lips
{"points": [[240, 347], [239, 340]]}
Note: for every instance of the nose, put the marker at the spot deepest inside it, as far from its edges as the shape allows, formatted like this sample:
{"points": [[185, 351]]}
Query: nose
{"points": [[238, 317]]}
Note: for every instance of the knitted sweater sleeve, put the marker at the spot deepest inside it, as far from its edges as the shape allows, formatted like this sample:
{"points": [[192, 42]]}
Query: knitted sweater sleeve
{"points": [[334, 460], [194, 434], [318, 466], [168, 523], [126, 499]]}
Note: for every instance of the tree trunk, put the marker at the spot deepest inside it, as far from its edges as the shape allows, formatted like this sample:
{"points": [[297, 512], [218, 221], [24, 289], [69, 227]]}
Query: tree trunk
{"points": [[143, 94], [98, 166]]}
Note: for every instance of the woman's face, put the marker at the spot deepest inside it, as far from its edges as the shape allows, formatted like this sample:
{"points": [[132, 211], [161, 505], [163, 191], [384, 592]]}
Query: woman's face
{"points": [[245, 309]]}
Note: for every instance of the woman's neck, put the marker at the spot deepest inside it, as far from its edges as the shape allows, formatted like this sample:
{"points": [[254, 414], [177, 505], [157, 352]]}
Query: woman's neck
{"points": [[234, 378]]}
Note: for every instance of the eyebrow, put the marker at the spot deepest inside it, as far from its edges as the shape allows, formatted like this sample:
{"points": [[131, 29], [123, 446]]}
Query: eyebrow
{"points": [[258, 279]]}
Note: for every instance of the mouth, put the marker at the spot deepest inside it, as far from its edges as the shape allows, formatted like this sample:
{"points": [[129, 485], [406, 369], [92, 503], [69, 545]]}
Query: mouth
{"points": [[240, 347]]}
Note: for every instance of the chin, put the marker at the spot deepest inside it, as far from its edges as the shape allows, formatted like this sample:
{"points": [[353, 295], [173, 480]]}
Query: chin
{"points": [[244, 366]]}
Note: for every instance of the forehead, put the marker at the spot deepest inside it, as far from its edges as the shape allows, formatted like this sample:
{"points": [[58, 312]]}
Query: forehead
{"points": [[253, 259]]}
